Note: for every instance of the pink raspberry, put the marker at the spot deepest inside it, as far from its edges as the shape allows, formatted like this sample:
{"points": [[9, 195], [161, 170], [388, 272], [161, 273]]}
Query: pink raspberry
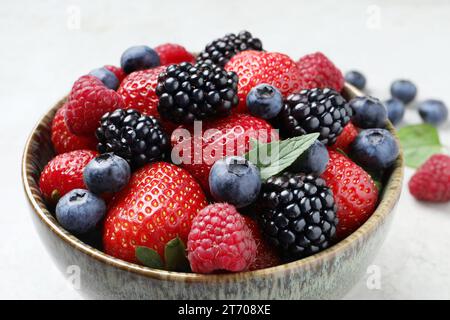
{"points": [[220, 240], [317, 71]]}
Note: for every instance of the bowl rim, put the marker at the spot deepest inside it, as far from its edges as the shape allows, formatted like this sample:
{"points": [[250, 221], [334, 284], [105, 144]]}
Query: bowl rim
{"points": [[390, 196]]}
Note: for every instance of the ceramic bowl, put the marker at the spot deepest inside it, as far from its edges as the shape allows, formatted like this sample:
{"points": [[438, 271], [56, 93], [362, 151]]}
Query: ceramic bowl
{"points": [[326, 275]]}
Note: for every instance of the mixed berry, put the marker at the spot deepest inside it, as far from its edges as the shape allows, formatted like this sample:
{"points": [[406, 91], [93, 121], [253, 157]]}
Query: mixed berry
{"points": [[131, 165]]}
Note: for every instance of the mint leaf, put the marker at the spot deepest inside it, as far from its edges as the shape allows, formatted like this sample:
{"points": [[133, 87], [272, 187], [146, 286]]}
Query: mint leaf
{"points": [[175, 255], [272, 158], [149, 257], [419, 142]]}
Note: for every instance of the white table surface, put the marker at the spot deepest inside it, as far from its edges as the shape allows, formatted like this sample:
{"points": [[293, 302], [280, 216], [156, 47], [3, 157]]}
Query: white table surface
{"points": [[44, 51]]}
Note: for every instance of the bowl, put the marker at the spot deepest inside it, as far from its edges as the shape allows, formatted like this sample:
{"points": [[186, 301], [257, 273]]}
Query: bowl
{"points": [[326, 275]]}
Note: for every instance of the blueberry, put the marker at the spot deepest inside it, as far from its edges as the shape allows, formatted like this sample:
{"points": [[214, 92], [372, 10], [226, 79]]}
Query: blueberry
{"points": [[234, 180], [375, 149], [264, 101], [108, 78], [403, 90], [433, 111], [395, 110], [106, 173], [368, 112], [139, 58], [312, 161], [80, 210], [356, 79]]}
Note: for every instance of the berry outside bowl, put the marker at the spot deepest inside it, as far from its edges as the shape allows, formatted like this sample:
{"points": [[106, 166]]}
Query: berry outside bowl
{"points": [[326, 275]]}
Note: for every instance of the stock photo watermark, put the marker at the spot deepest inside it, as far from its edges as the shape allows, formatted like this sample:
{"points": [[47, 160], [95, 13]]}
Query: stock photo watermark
{"points": [[73, 273], [73, 21], [373, 17], [373, 281]]}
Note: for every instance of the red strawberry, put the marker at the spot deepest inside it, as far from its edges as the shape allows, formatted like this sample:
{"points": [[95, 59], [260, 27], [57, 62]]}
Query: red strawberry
{"points": [[64, 173], [221, 137], [266, 255], [158, 204], [431, 182], [173, 53], [354, 192], [220, 240], [256, 67], [88, 101], [317, 71], [64, 140], [138, 92], [346, 138], [120, 74]]}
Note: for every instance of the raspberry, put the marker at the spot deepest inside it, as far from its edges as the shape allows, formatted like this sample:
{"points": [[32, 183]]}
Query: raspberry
{"points": [[431, 182], [266, 255], [63, 140], [170, 53], [88, 101], [317, 71], [220, 240]]}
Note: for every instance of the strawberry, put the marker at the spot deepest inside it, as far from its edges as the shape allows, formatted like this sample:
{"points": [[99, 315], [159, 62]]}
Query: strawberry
{"points": [[345, 139], [256, 67], [138, 92], [431, 182], [266, 255], [171, 53], [88, 101], [158, 204], [64, 173], [317, 71], [63, 140], [355, 193], [120, 74], [221, 137]]}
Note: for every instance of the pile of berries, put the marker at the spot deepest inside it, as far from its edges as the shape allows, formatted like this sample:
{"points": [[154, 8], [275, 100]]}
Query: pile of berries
{"points": [[131, 166]]}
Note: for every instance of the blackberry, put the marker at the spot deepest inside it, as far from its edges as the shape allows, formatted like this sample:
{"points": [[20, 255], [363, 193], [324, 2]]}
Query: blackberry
{"points": [[188, 93], [221, 50], [137, 138], [298, 214], [316, 110]]}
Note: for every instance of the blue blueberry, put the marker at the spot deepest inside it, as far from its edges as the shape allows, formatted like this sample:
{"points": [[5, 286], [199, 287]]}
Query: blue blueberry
{"points": [[368, 112], [80, 210], [139, 58], [375, 149], [433, 111], [108, 78], [106, 173], [395, 110], [356, 79], [264, 101], [403, 90], [234, 180], [312, 161]]}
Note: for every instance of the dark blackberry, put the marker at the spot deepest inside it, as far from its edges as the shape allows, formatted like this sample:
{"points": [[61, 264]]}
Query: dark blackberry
{"points": [[221, 50], [188, 93], [137, 138], [317, 110], [298, 214]]}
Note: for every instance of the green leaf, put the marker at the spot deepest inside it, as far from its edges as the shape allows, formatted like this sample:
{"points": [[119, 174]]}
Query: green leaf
{"points": [[272, 158], [149, 258], [175, 255], [342, 152], [419, 142]]}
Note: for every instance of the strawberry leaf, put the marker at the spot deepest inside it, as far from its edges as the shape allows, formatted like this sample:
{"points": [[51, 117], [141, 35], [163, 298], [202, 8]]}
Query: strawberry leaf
{"points": [[149, 258], [419, 142], [272, 158], [175, 256]]}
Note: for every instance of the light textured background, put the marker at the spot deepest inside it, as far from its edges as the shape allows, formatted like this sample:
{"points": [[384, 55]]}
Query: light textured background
{"points": [[42, 54]]}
